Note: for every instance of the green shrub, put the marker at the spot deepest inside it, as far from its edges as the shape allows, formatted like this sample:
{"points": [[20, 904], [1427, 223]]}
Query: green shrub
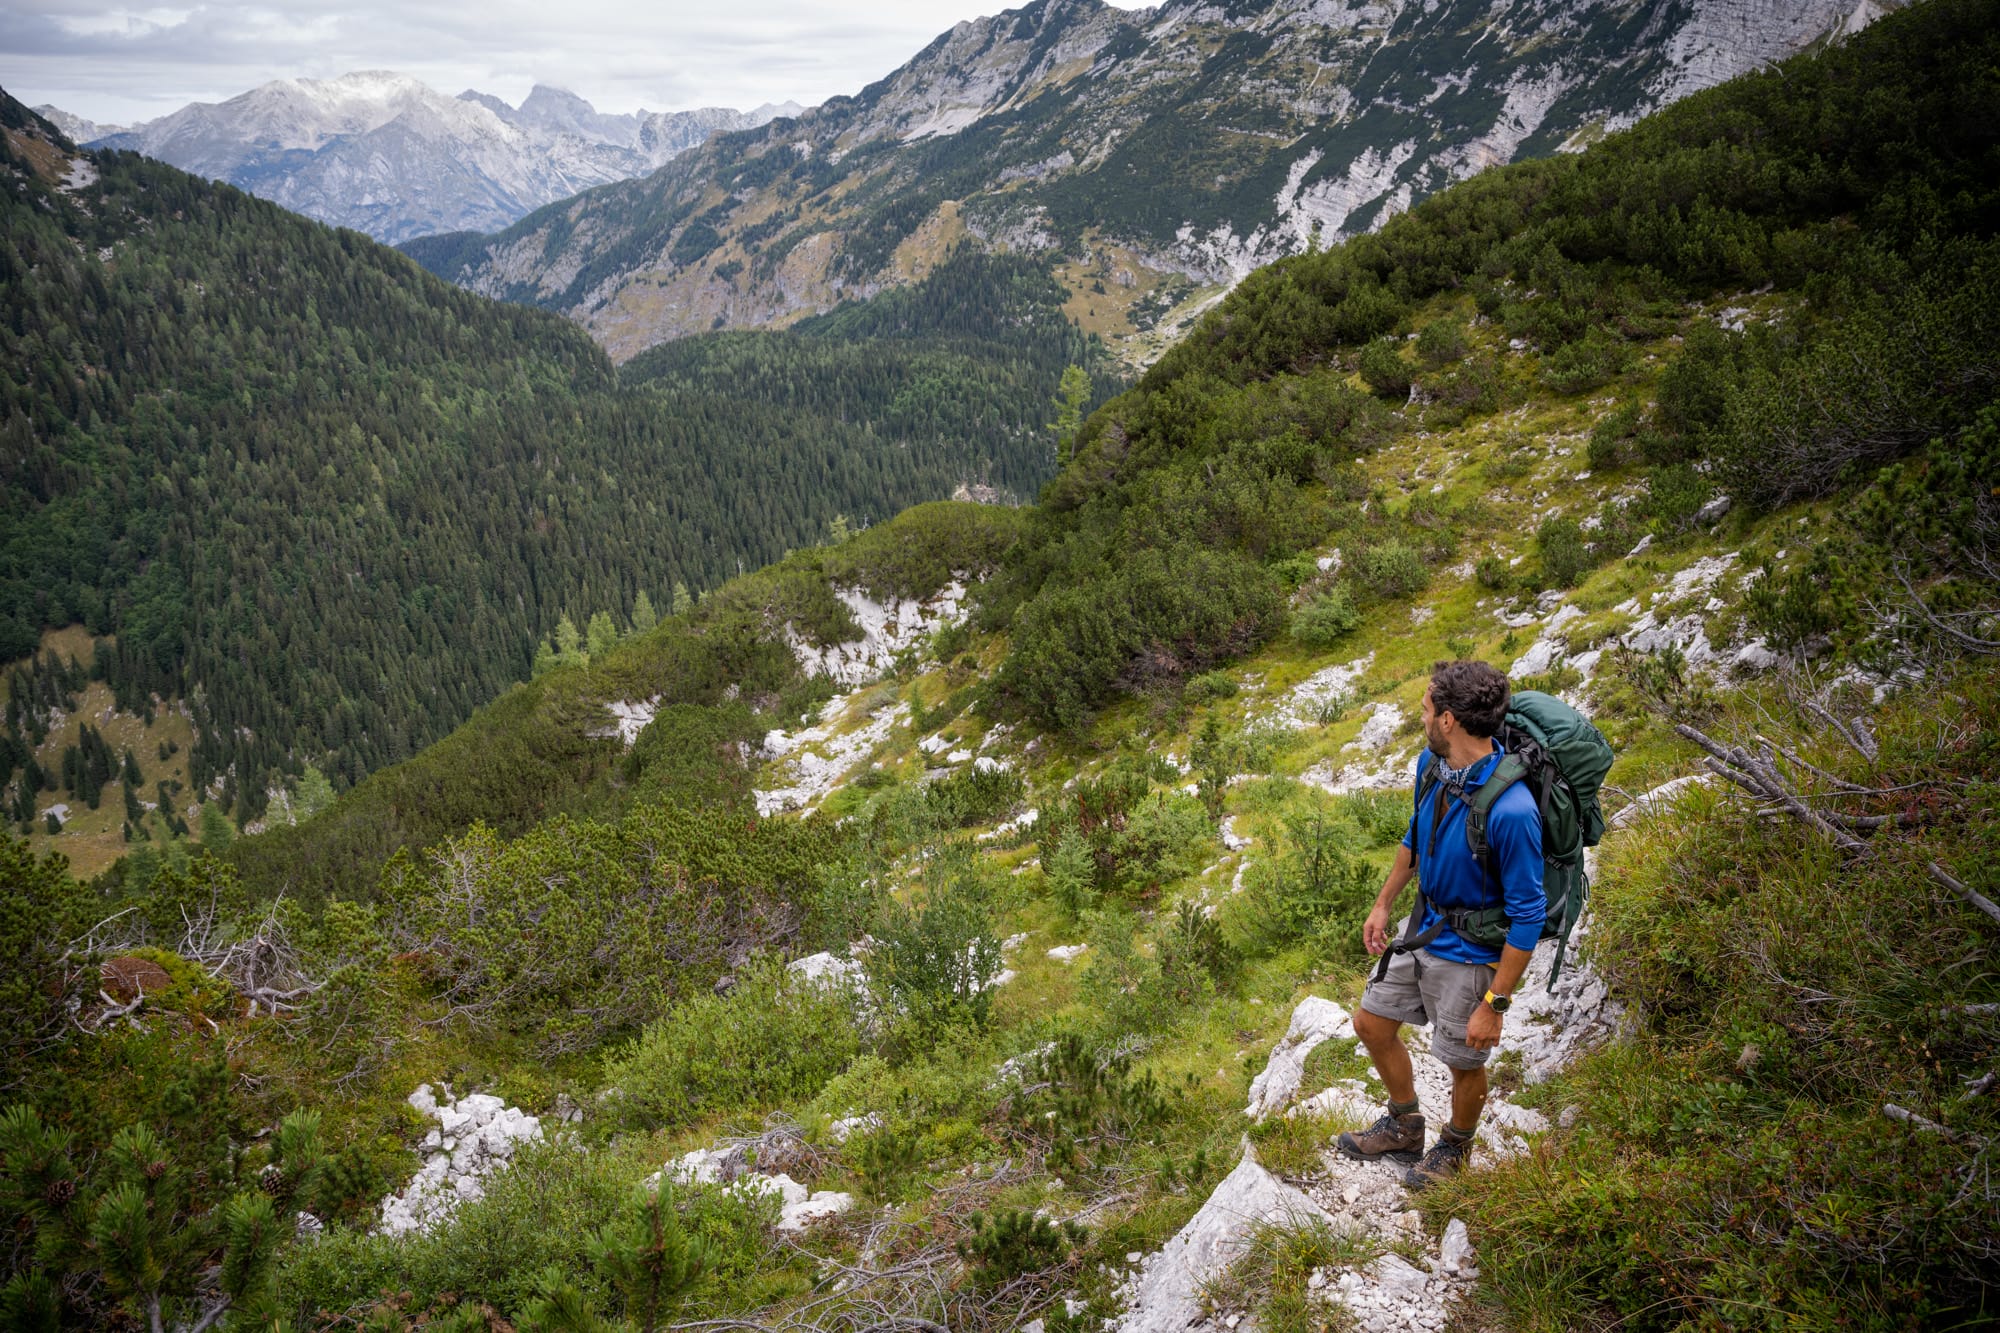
{"points": [[1588, 363], [973, 796], [1196, 961], [41, 910], [773, 1038], [1493, 573], [1440, 342], [1071, 872], [1209, 687], [1383, 368], [1566, 555], [1393, 570], [1015, 1243], [1674, 495], [936, 957], [1163, 838], [1327, 619], [551, 1209], [1382, 816], [1318, 890], [1161, 615], [1611, 438], [579, 930]]}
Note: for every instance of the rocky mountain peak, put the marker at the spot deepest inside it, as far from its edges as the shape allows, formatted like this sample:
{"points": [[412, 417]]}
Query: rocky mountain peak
{"points": [[387, 154]]}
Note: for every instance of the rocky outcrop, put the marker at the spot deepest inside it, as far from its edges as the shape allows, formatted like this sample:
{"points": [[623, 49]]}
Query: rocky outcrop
{"points": [[1166, 1295], [1314, 1022], [475, 1136]]}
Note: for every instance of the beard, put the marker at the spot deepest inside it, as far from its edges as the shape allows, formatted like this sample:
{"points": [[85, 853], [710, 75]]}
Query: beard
{"points": [[1434, 739]]}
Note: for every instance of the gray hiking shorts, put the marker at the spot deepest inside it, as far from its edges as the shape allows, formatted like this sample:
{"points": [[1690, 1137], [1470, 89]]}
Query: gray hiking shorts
{"points": [[1422, 988]]}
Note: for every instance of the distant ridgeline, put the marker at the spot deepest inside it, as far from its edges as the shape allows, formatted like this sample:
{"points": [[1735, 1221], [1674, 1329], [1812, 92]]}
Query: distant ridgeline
{"points": [[335, 502]]}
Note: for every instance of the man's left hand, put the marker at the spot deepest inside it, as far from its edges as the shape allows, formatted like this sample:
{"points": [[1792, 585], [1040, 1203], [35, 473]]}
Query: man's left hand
{"points": [[1482, 1030]]}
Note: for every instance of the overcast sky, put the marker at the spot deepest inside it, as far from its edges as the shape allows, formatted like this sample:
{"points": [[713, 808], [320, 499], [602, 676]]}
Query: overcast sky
{"points": [[117, 64]]}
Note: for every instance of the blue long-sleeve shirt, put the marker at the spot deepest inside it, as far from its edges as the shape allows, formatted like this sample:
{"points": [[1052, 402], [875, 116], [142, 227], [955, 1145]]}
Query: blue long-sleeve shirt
{"points": [[1452, 878]]}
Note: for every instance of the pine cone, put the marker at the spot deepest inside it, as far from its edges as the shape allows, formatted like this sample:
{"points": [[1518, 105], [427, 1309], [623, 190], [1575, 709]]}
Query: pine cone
{"points": [[59, 1193], [155, 1169], [272, 1181]]}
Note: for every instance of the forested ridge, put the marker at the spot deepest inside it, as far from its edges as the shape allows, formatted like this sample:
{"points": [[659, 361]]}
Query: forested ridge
{"points": [[336, 502], [1003, 956]]}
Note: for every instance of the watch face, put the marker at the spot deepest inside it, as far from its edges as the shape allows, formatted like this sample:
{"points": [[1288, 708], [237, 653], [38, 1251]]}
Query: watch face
{"points": [[1501, 1003]]}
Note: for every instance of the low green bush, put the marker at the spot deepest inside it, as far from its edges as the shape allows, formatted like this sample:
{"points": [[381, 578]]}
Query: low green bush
{"points": [[1209, 687], [1566, 555], [1316, 892], [1590, 362], [973, 796], [775, 1037], [1383, 368], [1327, 619], [1393, 570], [1441, 342]]}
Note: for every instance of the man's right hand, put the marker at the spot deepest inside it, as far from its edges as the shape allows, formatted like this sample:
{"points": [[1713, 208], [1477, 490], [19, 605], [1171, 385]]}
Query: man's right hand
{"points": [[1375, 930]]}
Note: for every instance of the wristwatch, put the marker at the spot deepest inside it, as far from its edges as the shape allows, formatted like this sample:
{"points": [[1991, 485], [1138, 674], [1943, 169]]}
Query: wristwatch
{"points": [[1500, 1004]]}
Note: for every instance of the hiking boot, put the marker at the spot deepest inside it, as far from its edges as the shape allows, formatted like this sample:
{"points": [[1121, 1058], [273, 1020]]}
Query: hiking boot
{"points": [[1400, 1138], [1447, 1157]]}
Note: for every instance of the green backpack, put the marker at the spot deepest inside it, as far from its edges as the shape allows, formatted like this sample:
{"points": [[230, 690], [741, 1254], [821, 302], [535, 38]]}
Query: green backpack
{"points": [[1563, 759]]}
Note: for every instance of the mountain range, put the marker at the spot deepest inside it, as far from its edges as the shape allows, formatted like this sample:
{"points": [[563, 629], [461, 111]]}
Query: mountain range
{"points": [[1157, 155], [388, 155]]}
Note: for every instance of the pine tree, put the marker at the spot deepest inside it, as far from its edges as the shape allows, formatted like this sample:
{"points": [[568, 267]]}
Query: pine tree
{"points": [[216, 830], [1071, 398], [648, 1256], [569, 644], [682, 602], [601, 636], [644, 617], [314, 793]]}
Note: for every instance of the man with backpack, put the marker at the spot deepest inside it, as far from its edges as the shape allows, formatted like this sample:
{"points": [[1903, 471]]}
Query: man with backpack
{"points": [[1506, 799]]}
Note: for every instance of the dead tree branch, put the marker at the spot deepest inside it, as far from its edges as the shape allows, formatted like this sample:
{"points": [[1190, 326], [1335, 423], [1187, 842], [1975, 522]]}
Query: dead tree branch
{"points": [[1915, 1121], [1760, 779], [1966, 891]]}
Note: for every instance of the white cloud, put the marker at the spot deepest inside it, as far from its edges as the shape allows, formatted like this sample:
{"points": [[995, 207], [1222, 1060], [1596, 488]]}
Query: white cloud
{"points": [[117, 64]]}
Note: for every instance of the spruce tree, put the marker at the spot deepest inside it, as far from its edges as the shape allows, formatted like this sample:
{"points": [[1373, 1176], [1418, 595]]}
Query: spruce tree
{"points": [[601, 636]]}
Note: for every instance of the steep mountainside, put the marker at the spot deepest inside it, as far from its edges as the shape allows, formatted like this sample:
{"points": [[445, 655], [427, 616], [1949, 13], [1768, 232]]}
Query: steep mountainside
{"points": [[385, 154], [958, 925], [1159, 153], [334, 503]]}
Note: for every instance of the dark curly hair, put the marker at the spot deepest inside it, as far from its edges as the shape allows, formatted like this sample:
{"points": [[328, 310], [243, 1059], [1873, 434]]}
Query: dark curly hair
{"points": [[1473, 692]]}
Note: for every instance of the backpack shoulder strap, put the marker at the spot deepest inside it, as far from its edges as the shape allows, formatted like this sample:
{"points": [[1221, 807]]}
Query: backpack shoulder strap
{"points": [[1511, 769]]}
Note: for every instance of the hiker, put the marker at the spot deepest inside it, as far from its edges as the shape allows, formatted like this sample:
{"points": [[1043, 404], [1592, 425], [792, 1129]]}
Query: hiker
{"points": [[1434, 974]]}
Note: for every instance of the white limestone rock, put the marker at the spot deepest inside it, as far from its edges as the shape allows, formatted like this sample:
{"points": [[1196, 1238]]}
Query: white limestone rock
{"points": [[840, 1131], [1455, 1253], [829, 970], [1301, 708], [1383, 721], [1166, 1295], [827, 1203], [1315, 1021], [476, 1136]]}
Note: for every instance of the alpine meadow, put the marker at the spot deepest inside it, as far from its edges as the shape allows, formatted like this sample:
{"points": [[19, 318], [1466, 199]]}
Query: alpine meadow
{"points": [[871, 823]]}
